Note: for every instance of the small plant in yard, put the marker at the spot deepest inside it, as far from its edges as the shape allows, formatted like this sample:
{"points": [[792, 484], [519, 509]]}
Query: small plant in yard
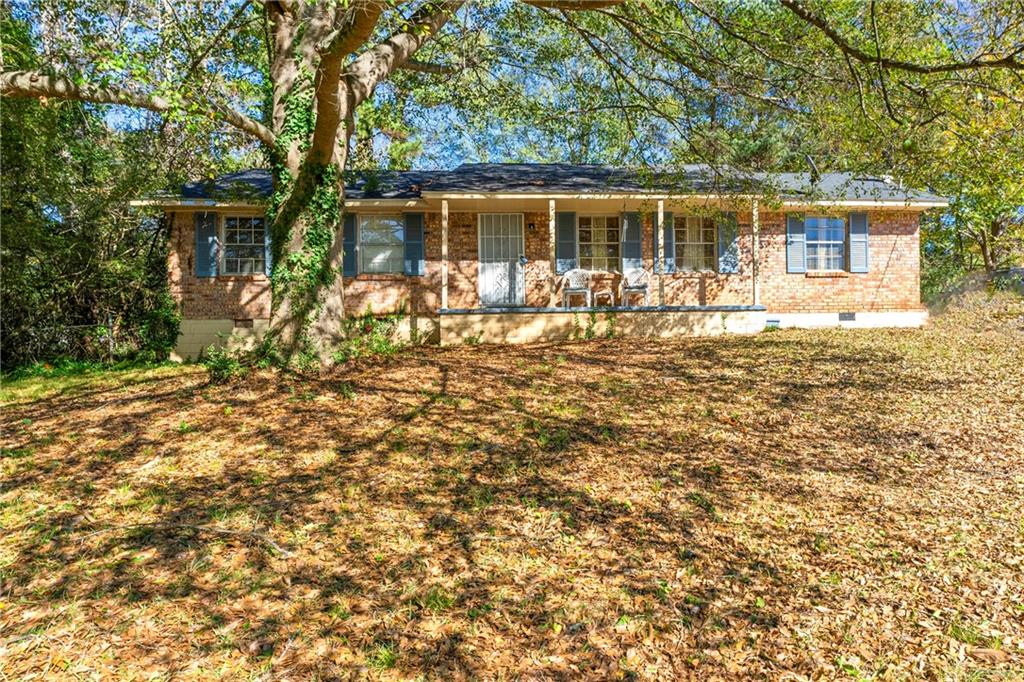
{"points": [[436, 599], [964, 632], [223, 365], [704, 503], [609, 329], [555, 440], [383, 656], [591, 331], [368, 335]]}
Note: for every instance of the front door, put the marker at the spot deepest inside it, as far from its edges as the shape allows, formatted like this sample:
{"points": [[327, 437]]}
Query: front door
{"points": [[501, 259]]}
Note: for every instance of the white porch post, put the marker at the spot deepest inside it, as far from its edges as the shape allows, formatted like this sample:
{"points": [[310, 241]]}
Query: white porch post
{"points": [[444, 253], [553, 298], [755, 249], [659, 262]]}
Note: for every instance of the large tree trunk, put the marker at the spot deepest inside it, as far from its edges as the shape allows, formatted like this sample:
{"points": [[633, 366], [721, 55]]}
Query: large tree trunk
{"points": [[313, 119]]}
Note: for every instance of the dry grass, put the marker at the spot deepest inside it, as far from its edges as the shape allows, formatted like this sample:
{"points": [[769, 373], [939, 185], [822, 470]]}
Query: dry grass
{"points": [[819, 505]]}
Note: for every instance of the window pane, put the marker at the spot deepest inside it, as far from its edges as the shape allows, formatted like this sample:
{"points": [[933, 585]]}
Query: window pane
{"points": [[381, 230], [599, 242], [826, 237], [243, 245], [381, 244], [381, 258]]}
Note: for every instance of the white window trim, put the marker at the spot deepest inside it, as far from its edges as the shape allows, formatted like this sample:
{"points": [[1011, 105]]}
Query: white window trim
{"points": [[359, 242], [844, 244], [579, 264], [222, 220], [679, 262]]}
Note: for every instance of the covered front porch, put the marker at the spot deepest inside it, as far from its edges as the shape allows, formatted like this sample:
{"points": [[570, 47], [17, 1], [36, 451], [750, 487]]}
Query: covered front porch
{"points": [[674, 302]]}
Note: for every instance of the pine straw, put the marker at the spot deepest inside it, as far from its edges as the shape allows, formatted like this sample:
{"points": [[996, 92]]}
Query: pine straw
{"points": [[796, 505]]}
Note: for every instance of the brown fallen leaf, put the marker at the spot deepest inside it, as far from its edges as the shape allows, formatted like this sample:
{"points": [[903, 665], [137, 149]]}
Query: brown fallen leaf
{"points": [[993, 656]]}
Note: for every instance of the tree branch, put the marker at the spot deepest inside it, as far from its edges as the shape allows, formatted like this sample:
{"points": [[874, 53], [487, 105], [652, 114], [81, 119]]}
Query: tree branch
{"points": [[429, 67], [379, 62], [36, 84], [1010, 61]]}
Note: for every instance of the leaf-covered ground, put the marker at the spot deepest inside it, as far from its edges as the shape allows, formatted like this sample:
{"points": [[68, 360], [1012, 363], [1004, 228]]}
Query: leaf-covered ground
{"points": [[795, 505]]}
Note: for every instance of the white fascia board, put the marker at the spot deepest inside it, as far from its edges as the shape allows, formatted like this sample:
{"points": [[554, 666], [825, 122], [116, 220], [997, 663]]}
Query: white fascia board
{"points": [[533, 195], [851, 203], [193, 203], [210, 203], [869, 203], [386, 203]]}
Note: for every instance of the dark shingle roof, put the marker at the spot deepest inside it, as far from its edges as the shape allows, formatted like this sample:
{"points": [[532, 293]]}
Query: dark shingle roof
{"points": [[558, 178]]}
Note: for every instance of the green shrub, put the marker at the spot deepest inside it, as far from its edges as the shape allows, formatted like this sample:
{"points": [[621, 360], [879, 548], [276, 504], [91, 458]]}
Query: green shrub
{"points": [[223, 365], [368, 335]]}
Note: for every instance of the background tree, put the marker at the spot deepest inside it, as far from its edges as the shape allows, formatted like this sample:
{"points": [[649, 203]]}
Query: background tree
{"points": [[82, 277]]}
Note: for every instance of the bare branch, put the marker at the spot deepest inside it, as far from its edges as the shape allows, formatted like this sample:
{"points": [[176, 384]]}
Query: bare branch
{"points": [[376, 64], [36, 84], [573, 5], [430, 67], [1010, 61]]}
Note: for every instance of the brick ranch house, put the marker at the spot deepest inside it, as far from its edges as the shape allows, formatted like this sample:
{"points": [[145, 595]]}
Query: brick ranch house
{"points": [[481, 252]]}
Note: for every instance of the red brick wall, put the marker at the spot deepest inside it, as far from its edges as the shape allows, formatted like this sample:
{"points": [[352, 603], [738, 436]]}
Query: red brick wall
{"points": [[892, 282], [211, 298], [891, 285]]}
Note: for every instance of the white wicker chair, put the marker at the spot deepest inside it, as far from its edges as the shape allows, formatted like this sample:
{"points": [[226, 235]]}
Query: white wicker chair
{"points": [[635, 282], [576, 282]]}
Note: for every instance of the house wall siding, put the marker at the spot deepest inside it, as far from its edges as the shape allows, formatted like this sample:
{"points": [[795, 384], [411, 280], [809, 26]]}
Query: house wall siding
{"points": [[245, 297], [892, 283]]}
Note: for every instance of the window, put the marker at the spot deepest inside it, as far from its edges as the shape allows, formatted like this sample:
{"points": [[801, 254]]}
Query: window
{"points": [[244, 251], [381, 244], [696, 243], [599, 239], [825, 242]]}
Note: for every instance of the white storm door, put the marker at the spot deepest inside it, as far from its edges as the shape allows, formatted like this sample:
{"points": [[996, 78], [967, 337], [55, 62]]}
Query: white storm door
{"points": [[501, 259]]}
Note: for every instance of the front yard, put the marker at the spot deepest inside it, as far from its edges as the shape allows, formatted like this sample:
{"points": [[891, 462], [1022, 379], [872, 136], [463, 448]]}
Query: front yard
{"points": [[830, 504]]}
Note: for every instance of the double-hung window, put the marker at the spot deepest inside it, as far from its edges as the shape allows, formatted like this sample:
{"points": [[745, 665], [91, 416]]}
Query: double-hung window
{"points": [[826, 246], [381, 244], [600, 238], [243, 251], [696, 243]]}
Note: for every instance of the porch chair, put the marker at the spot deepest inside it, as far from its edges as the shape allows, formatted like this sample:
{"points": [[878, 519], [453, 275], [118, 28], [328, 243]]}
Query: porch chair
{"points": [[634, 282], [576, 282]]}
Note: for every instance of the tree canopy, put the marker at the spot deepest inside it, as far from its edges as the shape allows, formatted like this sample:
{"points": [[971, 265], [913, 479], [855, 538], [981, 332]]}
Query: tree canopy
{"points": [[928, 91]]}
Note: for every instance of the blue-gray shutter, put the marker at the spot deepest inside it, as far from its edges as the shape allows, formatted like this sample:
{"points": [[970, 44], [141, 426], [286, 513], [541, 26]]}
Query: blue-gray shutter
{"points": [[669, 236], [565, 241], [348, 245], [631, 255], [858, 242], [728, 244], [206, 244], [796, 244], [414, 264], [267, 249]]}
